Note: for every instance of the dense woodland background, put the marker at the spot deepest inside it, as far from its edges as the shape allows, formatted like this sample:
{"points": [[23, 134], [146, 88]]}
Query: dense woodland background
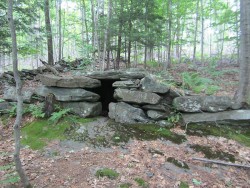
{"points": [[113, 33]]}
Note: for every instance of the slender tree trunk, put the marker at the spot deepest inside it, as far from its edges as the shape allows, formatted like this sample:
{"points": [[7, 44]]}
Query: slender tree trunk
{"points": [[168, 63], [243, 95], [129, 35], [237, 34], [93, 22], [18, 120], [106, 37], [119, 46], [63, 31], [60, 30], [84, 18], [196, 30], [202, 34], [145, 56], [48, 32]]}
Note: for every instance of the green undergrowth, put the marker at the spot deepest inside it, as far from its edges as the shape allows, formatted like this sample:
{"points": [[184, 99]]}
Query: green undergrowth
{"points": [[38, 133], [10, 175], [183, 185], [141, 182], [237, 133], [210, 154], [107, 172], [4, 119]]}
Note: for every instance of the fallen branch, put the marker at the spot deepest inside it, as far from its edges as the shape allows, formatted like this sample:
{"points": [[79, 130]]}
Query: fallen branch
{"points": [[220, 162], [52, 69]]}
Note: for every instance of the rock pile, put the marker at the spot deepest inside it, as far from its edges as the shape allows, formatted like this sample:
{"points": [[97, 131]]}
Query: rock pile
{"points": [[71, 93], [130, 97]]}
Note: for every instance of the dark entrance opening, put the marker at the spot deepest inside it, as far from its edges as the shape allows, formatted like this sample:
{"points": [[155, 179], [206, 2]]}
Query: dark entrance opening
{"points": [[106, 92]]}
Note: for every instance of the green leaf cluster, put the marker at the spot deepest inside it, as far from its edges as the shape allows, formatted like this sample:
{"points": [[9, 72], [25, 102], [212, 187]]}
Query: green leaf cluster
{"points": [[198, 84]]}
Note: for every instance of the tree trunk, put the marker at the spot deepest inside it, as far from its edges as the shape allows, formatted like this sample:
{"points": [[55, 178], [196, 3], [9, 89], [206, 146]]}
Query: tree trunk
{"points": [[129, 34], [60, 31], [196, 30], [168, 63], [106, 38], [243, 96], [18, 120], [85, 20], [119, 45], [48, 32], [202, 34]]}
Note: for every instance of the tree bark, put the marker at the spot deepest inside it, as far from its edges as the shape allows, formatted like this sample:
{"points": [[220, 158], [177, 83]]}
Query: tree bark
{"points": [[18, 120], [243, 95], [48, 32], [106, 37], [169, 34], [196, 30], [202, 34], [60, 31]]}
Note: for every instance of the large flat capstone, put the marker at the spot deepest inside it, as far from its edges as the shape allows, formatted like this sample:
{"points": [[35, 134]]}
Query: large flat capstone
{"points": [[203, 103], [137, 97], [69, 81], [116, 75], [234, 117], [124, 113], [65, 94]]}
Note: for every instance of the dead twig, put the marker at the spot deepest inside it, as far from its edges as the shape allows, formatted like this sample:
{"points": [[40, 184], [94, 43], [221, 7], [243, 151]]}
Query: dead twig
{"points": [[220, 162]]}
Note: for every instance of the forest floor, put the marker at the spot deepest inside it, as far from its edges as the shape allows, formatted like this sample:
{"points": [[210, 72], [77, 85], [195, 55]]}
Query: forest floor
{"points": [[140, 163]]}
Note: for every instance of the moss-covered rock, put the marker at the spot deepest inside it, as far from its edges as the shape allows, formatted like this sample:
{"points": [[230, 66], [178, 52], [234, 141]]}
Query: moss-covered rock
{"points": [[210, 154], [37, 134], [238, 133]]}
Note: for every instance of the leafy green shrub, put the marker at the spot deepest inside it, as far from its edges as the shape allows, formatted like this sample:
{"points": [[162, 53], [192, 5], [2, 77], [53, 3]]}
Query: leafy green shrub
{"points": [[11, 175], [111, 174], [36, 110], [153, 63], [2, 100], [56, 116], [141, 182], [12, 112], [198, 84]]}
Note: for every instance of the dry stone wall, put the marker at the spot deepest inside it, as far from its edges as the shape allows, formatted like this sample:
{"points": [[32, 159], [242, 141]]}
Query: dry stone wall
{"points": [[137, 98]]}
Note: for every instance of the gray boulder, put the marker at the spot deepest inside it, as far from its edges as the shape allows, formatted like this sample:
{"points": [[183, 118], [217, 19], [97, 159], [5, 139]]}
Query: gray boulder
{"points": [[234, 117], [116, 75], [203, 103], [188, 104], [157, 115], [216, 103], [10, 94], [68, 81], [168, 98], [5, 107], [150, 85], [66, 94], [158, 107], [137, 97], [124, 113], [84, 109], [126, 84]]}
